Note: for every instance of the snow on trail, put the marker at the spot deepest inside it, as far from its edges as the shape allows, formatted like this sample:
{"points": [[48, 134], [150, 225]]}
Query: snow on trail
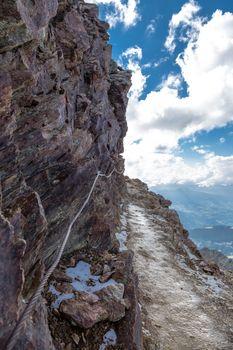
{"points": [[173, 300]]}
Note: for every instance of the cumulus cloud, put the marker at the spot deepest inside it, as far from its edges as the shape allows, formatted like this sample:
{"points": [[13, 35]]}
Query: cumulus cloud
{"points": [[133, 55], [163, 118], [161, 61], [186, 19], [120, 12], [165, 168]]}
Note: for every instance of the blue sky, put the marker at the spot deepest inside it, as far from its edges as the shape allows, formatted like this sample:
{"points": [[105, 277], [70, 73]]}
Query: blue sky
{"points": [[180, 113]]}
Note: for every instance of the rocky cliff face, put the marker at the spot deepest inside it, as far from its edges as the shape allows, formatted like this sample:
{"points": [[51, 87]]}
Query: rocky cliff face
{"points": [[62, 108]]}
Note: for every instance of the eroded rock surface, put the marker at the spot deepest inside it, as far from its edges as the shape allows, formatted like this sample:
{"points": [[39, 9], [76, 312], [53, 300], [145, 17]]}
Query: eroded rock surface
{"points": [[62, 117]]}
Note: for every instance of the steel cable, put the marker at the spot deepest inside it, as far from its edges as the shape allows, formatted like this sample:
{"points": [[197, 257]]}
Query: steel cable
{"points": [[28, 309]]}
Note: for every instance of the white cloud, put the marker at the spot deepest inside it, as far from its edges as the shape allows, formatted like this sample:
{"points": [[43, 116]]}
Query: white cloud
{"points": [[151, 27], [162, 168], [200, 150], [133, 55], [186, 19], [163, 119], [126, 13], [222, 140], [161, 61], [147, 65]]}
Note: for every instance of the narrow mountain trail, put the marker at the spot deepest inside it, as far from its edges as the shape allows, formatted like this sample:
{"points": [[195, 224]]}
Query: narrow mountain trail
{"points": [[183, 307]]}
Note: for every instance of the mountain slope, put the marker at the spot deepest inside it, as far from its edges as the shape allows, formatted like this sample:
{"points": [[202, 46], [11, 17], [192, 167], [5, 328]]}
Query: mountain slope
{"points": [[198, 206], [186, 304]]}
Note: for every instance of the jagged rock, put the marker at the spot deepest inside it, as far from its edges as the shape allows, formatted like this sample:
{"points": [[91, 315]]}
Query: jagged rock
{"points": [[114, 292], [216, 257], [211, 269], [62, 117], [61, 276], [88, 309], [75, 338], [11, 275], [116, 311], [112, 296], [72, 262], [105, 277], [96, 269], [121, 267], [32, 336], [87, 297], [64, 288], [84, 312]]}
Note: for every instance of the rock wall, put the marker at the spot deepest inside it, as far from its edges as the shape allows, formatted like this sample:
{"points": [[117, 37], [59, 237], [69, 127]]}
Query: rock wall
{"points": [[62, 109]]}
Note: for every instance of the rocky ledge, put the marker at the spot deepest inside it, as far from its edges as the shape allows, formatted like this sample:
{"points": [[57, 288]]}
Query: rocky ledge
{"points": [[186, 302]]}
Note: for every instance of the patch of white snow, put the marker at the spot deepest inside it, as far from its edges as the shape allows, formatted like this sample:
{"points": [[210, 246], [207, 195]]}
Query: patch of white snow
{"points": [[110, 338], [122, 237], [83, 280], [59, 296]]}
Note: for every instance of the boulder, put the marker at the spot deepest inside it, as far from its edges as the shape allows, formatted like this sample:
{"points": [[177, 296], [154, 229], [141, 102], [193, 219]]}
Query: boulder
{"points": [[83, 312]]}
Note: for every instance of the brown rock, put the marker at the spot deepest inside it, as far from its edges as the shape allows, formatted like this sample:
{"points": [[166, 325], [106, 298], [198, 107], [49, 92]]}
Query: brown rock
{"points": [[96, 269], [114, 292], [87, 297], [116, 311], [112, 296], [61, 121], [105, 277], [71, 262], [64, 288], [83, 313], [61, 276], [68, 346], [11, 276], [75, 338]]}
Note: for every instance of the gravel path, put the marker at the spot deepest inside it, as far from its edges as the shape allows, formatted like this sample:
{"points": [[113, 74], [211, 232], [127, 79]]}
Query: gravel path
{"points": [[181, 309]]}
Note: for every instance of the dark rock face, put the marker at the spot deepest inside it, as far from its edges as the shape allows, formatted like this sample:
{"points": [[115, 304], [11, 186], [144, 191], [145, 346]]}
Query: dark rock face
{"points": [[62, 117]]}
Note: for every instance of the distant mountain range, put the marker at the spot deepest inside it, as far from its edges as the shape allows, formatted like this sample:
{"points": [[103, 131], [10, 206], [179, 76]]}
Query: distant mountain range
{"points": [[200, 206], [219, 238], [207, 213]]}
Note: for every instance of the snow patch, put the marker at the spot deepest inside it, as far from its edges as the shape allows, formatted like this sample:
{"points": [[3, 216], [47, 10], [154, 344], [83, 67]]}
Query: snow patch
{"points": [[190, 254], [84, 281], [123, 221], [110, 338], [59, 296], [213, 283], [122, 237], [160, 218]]}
